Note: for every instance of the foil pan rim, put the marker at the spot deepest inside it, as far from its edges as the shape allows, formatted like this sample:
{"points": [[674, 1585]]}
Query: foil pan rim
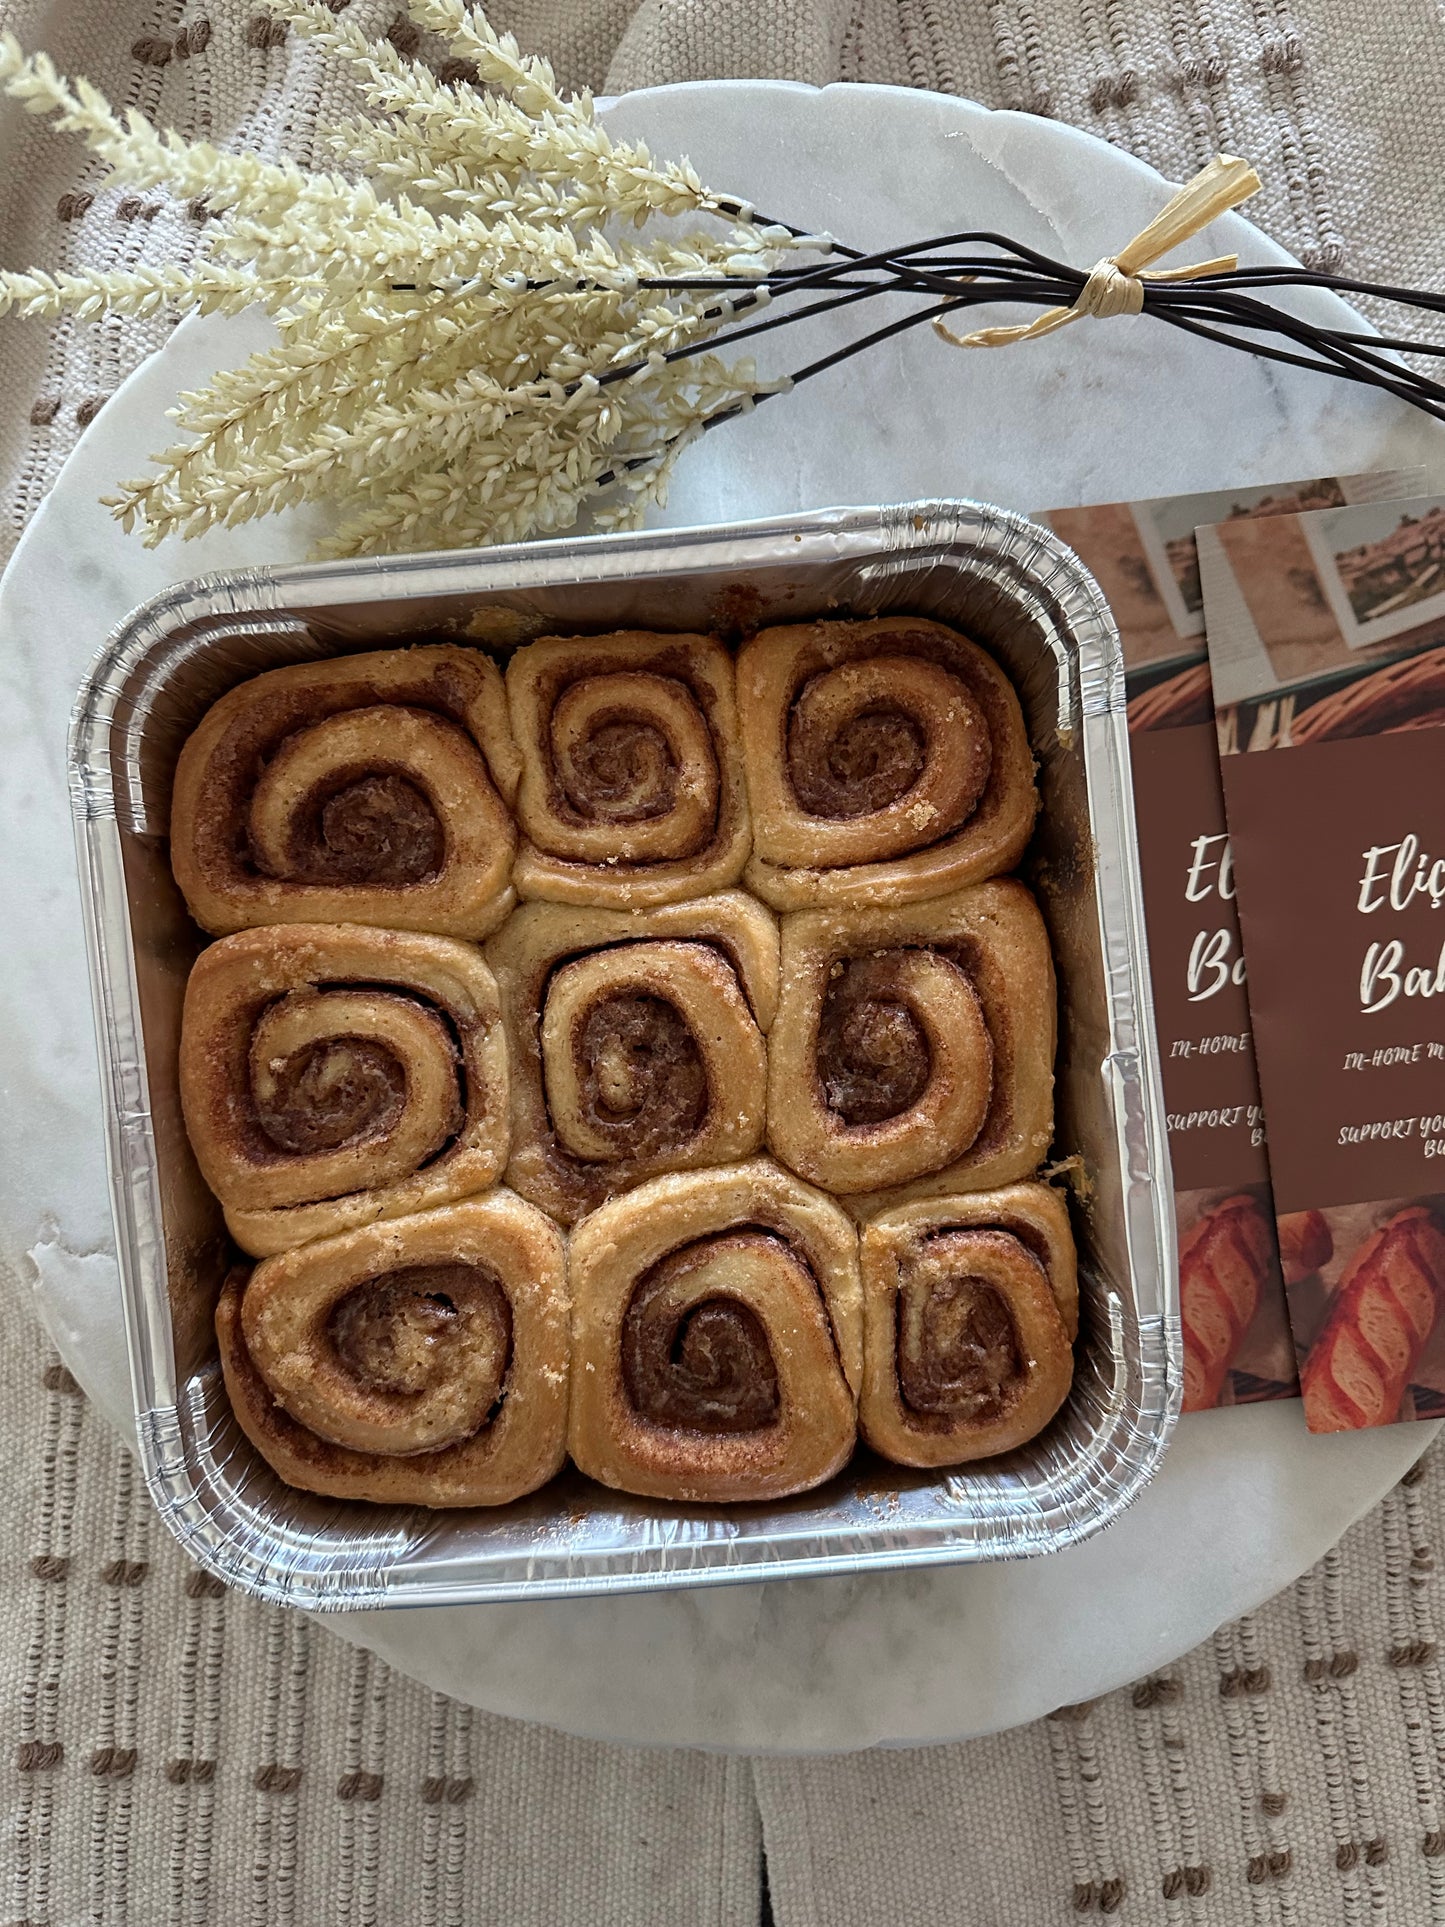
{"points": [[1042, 575]]}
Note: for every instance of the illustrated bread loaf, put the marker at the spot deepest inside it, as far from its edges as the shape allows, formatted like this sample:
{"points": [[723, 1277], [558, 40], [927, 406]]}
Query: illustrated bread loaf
{"points": [[1225, 1261], [1305, 1243], [1380, 1319]]}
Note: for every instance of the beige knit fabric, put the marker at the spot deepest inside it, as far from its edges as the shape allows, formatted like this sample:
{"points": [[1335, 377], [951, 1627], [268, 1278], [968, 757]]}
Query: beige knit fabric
{"points": [[177, 1755]]}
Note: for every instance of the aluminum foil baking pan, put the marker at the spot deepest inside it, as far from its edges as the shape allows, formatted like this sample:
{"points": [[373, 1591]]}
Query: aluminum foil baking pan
{"points": [[1028, 599]]}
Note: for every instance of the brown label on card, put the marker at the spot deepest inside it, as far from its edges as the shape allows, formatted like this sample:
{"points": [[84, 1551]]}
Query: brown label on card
{"points": [[1201, 1007], [1340, 852], [1144, 554]]}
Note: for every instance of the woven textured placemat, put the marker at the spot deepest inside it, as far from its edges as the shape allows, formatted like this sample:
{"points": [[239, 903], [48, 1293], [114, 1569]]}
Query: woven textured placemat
{"points": [[173, 1754]]}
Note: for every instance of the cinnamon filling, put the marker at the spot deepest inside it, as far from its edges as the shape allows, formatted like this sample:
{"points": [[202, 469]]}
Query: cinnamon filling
{"points": [[624, 771], [887, 731], [701, 1366], [409, 1331], [873, 1059], [375, 828], [330, 1094], [876, 757], [644, 1083], [958, 1350]]}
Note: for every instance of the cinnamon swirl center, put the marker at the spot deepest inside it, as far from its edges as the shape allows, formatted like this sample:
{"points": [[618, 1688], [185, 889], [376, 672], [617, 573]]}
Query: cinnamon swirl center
{"points": [[695, 1355], [351, 1086], [328, 1094], [865, 736], [643, 1082], [407, 1332], [353, 799], [376, 828], [623, 771], [873, 759], [632, 748], [410, 1360], [873, 1055], [958, 1348]]}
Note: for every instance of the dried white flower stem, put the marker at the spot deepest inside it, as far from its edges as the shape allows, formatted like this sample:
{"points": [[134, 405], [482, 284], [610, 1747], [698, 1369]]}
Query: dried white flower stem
{"points": [[445, 305], [493, 317]]}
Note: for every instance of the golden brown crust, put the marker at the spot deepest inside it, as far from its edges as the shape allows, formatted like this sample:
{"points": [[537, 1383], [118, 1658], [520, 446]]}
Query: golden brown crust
{"points": [[970, 1306], [1305, 1244], [1404, 695], [1379, 1321], [368, 789], [636, 1042], [1182, 699], [332, 1075], [419, 1362], [887, 760], [914, 1046], [632, 791], [718, 1337], [1225, 1261]]}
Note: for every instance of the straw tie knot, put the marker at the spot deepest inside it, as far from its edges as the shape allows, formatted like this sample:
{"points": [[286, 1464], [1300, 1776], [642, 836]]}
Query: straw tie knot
{"points": [[1109, 291], [1115, 285]]}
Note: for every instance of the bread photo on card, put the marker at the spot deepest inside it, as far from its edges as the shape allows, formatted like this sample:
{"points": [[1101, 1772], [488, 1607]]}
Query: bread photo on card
{"points": [[1381, 1318], [1306, 1245]]}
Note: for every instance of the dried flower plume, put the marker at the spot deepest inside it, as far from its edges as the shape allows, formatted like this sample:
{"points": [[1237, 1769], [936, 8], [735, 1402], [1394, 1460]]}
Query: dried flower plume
{"points": [[491, 316], [446, 300]]}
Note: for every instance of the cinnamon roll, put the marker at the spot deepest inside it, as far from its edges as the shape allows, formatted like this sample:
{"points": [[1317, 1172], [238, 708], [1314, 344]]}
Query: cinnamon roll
{"points": [[632, 790], [331, 1075], [970, 1309], [636, 1042], [717, 1337], [915, 1044], [368, 789], [419, 1362], [885, 759]]}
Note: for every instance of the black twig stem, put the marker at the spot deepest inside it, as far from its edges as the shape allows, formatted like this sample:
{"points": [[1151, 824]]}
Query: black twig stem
{"points": [[953, 274]]}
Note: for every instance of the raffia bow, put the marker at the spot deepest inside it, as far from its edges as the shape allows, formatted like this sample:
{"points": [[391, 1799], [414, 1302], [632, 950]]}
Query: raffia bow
{"points": [[1116, 284]]}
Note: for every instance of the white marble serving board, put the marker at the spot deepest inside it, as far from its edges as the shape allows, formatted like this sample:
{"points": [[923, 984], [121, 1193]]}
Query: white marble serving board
{"points": [[1125, 408]]}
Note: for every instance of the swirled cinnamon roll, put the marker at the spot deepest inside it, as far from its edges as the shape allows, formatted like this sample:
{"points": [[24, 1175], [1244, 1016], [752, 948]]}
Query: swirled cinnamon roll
{"points": [[368, 789], [332, 1075], [915, 1046], [632, 789], [636, 1042], [886, 760], [717, 1337], [418, 1362], [970, 1308]]}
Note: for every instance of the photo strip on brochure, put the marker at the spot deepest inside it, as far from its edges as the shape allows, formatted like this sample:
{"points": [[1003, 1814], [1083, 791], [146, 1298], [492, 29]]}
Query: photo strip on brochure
{"points": [[1237, 1344], [1326, 636]]}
